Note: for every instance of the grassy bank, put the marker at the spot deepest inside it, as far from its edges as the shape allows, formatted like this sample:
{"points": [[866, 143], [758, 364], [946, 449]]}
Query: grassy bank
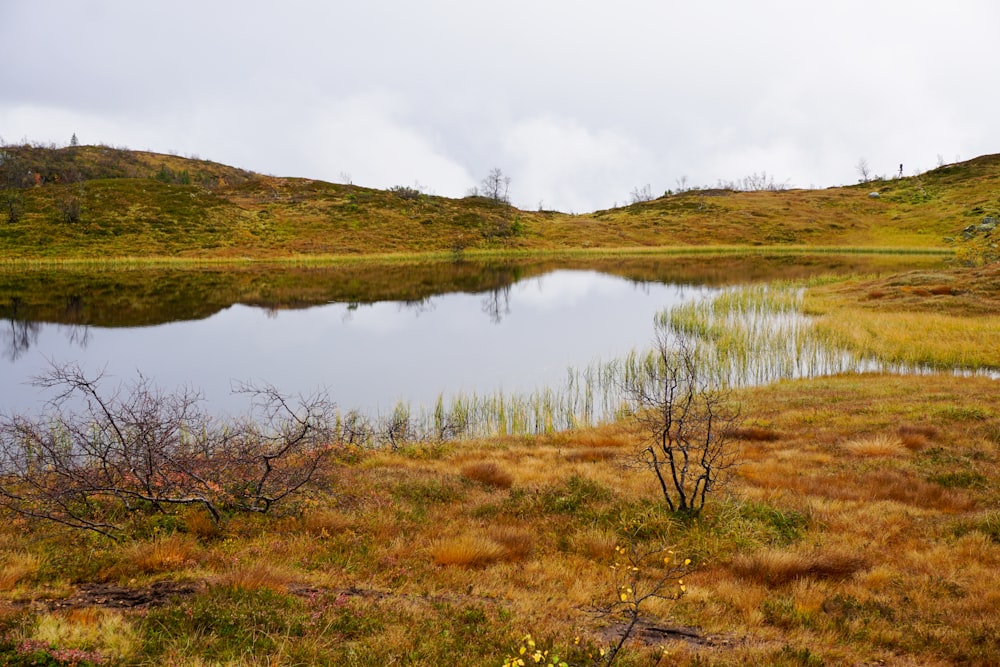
{"points": [[862, 527]]}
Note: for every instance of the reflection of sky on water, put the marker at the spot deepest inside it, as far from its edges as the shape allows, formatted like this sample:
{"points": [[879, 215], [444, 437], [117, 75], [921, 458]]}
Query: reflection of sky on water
{"points": [[370, 356]]}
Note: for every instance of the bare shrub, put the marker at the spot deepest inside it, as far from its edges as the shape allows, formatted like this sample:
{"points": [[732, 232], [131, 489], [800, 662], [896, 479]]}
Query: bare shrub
{"points": [[755, 182], [71, 208], [640, 195], [98, 458], [405, 192], [687, 423], [496, 186]]}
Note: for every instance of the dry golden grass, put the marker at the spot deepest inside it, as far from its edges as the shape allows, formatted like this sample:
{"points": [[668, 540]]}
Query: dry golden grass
{"points": [[779, 567], [917, 438], [16, 567], [470, 550], [518, 543], [873, 446], [199, 522], [88, 629], [325, 523], [171, 553], [488, 473], [855, 556], [754, 434], [592, 454], [256, 576], [597, 544]]}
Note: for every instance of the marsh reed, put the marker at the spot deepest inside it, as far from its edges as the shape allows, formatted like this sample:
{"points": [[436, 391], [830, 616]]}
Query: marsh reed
{"points": [[742, 337]]}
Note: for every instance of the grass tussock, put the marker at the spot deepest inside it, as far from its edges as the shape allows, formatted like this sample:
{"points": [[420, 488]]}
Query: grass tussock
{"points": [[257, 576], [592, 454], [166, 554], [754, 434], [16, 567], [489, 473], [917, 437], [325, 523], [880, 444], [471, 550], [780, 567], [88, 630]]}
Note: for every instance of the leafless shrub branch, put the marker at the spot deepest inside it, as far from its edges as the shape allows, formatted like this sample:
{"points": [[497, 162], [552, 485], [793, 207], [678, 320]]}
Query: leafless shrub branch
{"points": [[97, 458]]}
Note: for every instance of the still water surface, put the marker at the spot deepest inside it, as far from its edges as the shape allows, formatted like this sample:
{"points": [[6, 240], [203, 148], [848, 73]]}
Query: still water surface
{"points": [[367, 356]]}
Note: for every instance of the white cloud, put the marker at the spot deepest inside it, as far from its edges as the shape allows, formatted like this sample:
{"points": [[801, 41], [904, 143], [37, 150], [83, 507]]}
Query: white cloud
{"points": [[571, 167], [578, 101]]}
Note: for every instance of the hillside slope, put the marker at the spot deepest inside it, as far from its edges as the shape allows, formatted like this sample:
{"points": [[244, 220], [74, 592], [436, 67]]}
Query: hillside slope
{"points": [[94, 201]]}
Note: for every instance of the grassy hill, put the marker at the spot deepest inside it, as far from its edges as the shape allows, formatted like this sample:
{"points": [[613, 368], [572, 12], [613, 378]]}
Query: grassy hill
{"points": [[862, 525], [94, 201]]}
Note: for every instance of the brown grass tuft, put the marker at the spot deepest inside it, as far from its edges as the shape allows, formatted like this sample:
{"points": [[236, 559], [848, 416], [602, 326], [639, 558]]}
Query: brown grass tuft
{"points": [[917, 438], [256, 577], [754, 434], [904, 488], [16, 567], [775, 567], [877, 445], [467, 551], [325, 523], [517, 543], [596, 544], [167, 554], [591, 455], [199, 522], [488, 473]]}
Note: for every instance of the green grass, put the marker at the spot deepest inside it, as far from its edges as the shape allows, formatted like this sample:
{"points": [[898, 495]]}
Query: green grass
{"points": [[134, 204]]}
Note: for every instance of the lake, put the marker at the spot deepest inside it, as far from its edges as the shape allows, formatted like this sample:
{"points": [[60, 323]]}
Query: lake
{"points": [[371, 335]]}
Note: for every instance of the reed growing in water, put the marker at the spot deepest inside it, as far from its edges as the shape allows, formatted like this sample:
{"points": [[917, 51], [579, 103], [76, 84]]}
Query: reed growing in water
{"points": [[745, 336]]}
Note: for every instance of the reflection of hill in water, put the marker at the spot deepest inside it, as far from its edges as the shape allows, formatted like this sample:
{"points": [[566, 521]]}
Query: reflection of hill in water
{"points": [[149, 296]]}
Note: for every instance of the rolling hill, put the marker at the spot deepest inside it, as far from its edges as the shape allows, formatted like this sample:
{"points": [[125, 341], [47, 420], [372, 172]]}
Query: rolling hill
{"points": [[100, 202]]}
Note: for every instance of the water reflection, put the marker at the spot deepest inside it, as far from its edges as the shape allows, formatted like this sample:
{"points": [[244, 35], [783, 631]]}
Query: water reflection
{"points": [[515, 337], [496, 304], [371, 334]]}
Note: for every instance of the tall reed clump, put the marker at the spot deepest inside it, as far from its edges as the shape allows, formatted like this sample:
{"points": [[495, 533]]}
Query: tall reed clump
{"points": [[757, 334], [744, 336]]}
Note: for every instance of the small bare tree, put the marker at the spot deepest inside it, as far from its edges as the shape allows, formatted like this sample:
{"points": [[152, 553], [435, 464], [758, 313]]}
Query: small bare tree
{"points": [[864, 171], [496, 186], [639, 195], [97, 458], [686, 422], [641, 575]]}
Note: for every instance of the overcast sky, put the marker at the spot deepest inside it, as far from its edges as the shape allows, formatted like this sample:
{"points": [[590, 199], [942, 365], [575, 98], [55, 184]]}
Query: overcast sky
{"points": [[577, 101]]}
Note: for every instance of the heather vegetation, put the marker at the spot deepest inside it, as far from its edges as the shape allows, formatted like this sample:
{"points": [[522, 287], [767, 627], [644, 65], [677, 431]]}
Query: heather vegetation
{"points": [[794, 474], [100, 202]]}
